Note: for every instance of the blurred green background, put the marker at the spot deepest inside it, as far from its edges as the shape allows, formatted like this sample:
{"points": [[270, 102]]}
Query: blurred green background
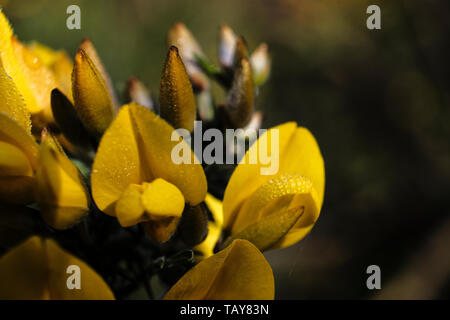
{"points": [[377, 102]]}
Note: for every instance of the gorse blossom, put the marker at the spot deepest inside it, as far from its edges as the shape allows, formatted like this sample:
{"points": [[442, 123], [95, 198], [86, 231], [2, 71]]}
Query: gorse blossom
{"points": [[83, 176]]}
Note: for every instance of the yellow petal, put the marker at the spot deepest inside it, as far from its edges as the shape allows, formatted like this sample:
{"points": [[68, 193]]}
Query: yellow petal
{"points": [[13, 162], [280, 213], [92, 100], [46, 54], [13, 67], [300, 179], [111, 175], [12, 132], [12, 102], [278, 187], [176, 98], [62, 69], [154, 136], [58, 62], [60, 190], [141, 144], [129, 209], [302, 156], [216, 208], [16, 175], [238, 272], [206, 248], [162, 199], [310, 203], [16, 189], [37, 269], [157, 200], [247, 177], [40, 79], [269, 230]]}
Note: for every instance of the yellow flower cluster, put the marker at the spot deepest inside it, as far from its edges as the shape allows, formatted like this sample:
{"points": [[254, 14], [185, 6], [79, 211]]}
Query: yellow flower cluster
{"points": [[52, 107]]}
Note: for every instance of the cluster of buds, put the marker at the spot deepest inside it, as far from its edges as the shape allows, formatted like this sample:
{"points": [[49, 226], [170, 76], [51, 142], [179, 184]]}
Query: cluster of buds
{"points": [[239, 73], [71, 152]]}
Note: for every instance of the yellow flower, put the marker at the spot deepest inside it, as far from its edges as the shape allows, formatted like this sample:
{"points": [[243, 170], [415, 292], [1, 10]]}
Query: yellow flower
{"points": [[58, 62], [239, 272], [37, 269], [50, 178], [134, 178], [273, 211], [60, 190], [33, 78]]}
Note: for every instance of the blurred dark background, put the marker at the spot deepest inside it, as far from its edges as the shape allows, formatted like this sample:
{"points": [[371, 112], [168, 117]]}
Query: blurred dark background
{"points": [[376, 100]]}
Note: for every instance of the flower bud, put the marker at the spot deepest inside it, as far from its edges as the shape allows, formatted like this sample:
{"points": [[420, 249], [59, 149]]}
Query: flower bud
{"points": [[92, 100], [176, 98], [138, 93], [227, 46], [260, 62], [194, 225], [241, 52], [180, 37], [89, 48], [240, 102]]}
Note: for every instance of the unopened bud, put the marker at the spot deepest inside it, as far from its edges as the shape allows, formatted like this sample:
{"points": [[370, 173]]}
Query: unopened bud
{"points": [[241, 51], [227, 46], [188, 48], [260, 61], [240, 102], [176, 98], [137, 92]]}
